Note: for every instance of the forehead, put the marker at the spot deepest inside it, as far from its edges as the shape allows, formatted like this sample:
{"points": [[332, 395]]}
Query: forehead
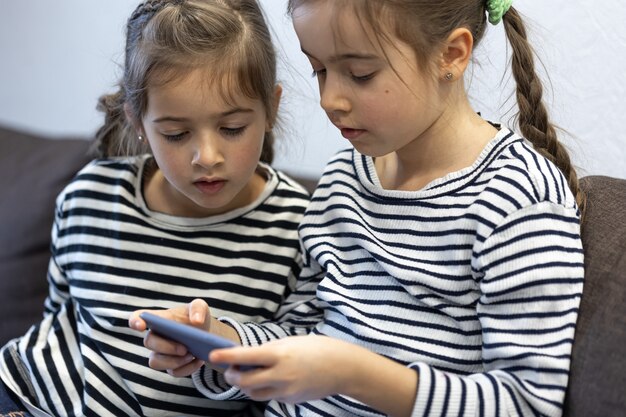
{"points": [[328, 30], [201, 83], [197, 92]]}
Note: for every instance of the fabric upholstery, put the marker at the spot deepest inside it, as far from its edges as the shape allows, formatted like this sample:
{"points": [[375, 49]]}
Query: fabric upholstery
{"points": [[33, 170], [598, 372]]}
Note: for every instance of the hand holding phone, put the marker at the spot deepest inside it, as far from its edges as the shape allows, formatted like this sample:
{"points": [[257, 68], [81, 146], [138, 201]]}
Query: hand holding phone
{"points": [[200, 343]]}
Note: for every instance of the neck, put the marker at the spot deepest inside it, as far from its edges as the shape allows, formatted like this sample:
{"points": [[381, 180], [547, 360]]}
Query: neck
{"points": [[453, 142]]}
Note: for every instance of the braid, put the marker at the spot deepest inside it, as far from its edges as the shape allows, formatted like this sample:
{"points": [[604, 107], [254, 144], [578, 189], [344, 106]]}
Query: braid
{"points": [[107, 137], [267, 152], [139, 19], [114, 137], [146, 10], [533, 117]]}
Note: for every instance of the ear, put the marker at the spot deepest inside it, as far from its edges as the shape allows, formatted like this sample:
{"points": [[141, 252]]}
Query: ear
{"points": [[130, 116], [456, 53], [278, 92]]}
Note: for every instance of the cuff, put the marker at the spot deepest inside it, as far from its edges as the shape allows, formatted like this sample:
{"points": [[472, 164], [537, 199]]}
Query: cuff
{"points": [[440, 393]]}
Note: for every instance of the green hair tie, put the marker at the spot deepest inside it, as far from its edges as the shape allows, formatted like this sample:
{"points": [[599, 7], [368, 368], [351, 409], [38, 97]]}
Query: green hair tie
{"points": [[497, 9]]}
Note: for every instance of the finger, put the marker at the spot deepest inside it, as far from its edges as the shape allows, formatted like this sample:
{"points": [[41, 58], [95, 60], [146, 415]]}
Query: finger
{"points": [[162, 362], [186, 370], [254, 382], [260, 394], [241, 356], [136, 322], [198, 311], [163, 345]]}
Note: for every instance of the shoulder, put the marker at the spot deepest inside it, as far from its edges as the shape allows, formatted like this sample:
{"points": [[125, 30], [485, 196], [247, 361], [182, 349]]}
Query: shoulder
{"points": [[341, 166], [527, 177], [105, 176], [112, 167], [287, 190], [342, 160], [518, 186]]}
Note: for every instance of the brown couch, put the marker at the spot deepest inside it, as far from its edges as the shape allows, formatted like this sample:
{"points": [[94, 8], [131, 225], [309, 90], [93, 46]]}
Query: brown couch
{"points": [[33, 170]]}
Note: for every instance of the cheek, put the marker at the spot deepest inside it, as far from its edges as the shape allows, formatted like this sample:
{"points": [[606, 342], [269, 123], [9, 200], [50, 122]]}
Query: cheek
{"points": [[250, 151], [170, 162], [383, 112]]}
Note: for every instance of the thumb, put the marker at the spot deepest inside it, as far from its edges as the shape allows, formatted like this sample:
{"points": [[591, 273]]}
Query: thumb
{"points": [[199, 313]]}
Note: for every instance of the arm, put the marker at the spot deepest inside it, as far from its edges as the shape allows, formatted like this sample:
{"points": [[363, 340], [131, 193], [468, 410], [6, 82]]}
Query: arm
{"points": [[296, 315], [58, 285], [168, 355], [530, 273], [302, 368]]}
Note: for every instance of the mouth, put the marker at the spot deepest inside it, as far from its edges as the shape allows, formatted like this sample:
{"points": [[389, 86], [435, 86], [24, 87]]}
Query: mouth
{"points": [[209, 187], [351, 134]]}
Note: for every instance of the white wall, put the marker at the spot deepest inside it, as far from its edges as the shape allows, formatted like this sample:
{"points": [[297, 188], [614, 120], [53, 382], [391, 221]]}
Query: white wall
{"points": [[58, 57]]}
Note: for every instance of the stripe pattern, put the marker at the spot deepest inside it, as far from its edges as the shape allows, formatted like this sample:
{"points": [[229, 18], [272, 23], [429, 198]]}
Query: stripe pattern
{"points": [[474, 282], [110, 256]]}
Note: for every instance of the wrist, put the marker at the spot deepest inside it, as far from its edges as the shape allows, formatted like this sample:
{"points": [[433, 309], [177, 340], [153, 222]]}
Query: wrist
{"points": [[223, 329], [382, 383]]}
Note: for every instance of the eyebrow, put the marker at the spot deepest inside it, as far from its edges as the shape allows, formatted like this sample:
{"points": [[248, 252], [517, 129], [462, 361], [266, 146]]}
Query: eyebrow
{"points": [[346, 56], [184, 119]]}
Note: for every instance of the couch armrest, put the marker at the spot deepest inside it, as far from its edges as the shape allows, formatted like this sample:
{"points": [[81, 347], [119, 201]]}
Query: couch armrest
{"points": [[33, 170], [598, 369]]}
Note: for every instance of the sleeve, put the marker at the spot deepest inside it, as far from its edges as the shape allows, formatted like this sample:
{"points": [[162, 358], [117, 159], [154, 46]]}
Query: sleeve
{"points": [[58, 285], [298, 315], [530, 274]]}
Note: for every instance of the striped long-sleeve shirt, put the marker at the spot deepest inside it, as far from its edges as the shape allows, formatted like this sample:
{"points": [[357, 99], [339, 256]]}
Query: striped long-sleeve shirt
{"points": [[112, 255], [473, 281]]}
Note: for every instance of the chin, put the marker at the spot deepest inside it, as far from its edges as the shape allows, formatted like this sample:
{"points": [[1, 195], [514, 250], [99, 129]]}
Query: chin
{"points": [[371, 151]]}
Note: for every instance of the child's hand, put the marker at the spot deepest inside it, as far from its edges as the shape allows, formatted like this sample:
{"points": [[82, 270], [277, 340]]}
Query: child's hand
{"points": [[292, 370], [166, 354]]}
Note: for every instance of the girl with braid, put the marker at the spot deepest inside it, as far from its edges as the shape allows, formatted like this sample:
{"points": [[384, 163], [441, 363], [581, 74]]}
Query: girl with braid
{"points": [[443, 260], [184, 205]]}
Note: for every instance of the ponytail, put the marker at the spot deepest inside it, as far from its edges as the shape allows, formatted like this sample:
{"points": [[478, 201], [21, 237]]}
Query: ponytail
{"points": [[116, 137], [533, 119], [267, 152]]}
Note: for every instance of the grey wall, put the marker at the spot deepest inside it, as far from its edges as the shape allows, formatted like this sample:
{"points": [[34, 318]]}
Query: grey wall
{"points": [[58, 57]]}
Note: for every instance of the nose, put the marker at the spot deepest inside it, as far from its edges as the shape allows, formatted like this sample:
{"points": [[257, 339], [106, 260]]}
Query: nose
{"points": [[207, 151], [333, 97]]}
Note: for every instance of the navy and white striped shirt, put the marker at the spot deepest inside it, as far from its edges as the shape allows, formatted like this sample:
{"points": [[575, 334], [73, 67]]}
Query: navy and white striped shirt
{"points": [[112, 255], [473, 281]]}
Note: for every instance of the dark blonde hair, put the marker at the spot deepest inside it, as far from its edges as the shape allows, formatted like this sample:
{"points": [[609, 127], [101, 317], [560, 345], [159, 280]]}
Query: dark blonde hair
{"points": [[166, 39], [426, 24]]}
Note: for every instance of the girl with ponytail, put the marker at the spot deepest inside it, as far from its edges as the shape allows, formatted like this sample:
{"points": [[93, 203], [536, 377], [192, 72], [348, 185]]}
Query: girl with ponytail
{"points": [[443, 260]]}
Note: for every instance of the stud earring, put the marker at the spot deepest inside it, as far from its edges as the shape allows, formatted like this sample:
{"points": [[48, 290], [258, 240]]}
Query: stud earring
{"points": [[140, 138], [449, 76]]}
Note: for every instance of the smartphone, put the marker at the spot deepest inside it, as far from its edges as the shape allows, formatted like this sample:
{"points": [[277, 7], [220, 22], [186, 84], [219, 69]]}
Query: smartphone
{"points": [[199, 342]]}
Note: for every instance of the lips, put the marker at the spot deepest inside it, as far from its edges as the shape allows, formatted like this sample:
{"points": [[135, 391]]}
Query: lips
{"points": [[351, 134], [209, 187]]}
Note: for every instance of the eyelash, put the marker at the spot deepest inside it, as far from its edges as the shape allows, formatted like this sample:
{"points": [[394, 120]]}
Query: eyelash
{"points": [[363, 78], [227, 131], [317, 73], [174, 138], [234, 131], [358, 79]]}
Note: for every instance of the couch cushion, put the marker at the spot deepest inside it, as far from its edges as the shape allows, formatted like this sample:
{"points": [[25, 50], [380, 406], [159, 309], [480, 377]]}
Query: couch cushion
{"points": [[598, 371], [33, 170]]}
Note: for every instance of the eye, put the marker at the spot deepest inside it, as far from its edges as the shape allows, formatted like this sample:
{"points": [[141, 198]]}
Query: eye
{"points": [[318, 73], [174, 138], [233, 131], [362, 78]]}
